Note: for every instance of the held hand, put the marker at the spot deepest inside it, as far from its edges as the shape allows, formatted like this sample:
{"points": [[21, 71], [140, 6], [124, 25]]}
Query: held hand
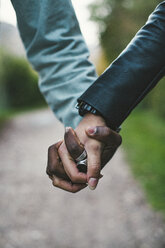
{"points": [[93, 147], [61, 166], [56, 171], [110, 139]]}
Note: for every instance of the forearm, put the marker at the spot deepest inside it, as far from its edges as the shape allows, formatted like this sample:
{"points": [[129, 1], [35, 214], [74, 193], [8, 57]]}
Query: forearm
{"points": [[56, 49], [133, 74]]}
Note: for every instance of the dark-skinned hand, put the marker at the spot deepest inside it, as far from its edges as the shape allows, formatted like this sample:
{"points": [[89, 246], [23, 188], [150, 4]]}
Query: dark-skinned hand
{"points": [[73, 180]]}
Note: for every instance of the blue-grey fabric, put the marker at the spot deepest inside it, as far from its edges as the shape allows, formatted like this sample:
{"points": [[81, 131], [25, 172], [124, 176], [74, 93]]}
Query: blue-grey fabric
{"points": [[133, 74], [57, 51]]}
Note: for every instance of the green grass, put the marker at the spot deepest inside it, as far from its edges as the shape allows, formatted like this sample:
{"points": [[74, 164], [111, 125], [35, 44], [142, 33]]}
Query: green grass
{"points": [[144, 141]]}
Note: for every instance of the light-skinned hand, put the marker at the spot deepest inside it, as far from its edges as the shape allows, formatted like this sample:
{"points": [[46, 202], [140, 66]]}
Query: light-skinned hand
{"points": [[100, 144]]}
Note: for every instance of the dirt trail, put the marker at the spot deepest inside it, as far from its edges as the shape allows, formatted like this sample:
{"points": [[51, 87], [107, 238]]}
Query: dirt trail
{"points": [[33, 214]]}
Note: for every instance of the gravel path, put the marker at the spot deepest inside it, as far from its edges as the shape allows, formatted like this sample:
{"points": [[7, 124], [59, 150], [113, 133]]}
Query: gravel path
{"points": [[33, 214]]}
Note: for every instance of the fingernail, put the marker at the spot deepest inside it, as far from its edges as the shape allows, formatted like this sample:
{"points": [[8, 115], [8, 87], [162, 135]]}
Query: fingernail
{"points": [[67, 129], [92, 130], [92, 183]]}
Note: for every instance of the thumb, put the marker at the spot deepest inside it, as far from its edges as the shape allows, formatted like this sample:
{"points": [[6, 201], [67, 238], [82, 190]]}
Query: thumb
{"points": [[94, 150], [72, 142], [105, 135]]}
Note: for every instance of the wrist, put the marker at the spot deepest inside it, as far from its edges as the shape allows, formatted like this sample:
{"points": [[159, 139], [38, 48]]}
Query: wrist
{"points": [[89, 120], [90, 113], [85, 109], [94, 120]]}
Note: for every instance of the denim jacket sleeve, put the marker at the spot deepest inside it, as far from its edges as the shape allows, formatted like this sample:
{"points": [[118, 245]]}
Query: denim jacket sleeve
{"points": [[56, 49], [133, 74]]}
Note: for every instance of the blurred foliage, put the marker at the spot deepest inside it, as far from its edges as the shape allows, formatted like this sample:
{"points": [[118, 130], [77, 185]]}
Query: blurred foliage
{"points": [[155, 100], [18, 84], [3, 100], [118, 21], [101, 63]]}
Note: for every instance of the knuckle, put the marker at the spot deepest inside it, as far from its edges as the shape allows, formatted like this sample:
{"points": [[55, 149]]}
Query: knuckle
{"points": [[75, 191], [108, 132], [95, 168], [54, 183], [95, 147], [120, 140], [61, 150], [117, 142], [52, 171], [51, 168], [50, 149], [48, 172], [74, 178], [103, 131]]}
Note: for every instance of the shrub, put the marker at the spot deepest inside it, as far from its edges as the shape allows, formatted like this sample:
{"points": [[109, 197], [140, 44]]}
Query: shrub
{"points": [[19, 83]]}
